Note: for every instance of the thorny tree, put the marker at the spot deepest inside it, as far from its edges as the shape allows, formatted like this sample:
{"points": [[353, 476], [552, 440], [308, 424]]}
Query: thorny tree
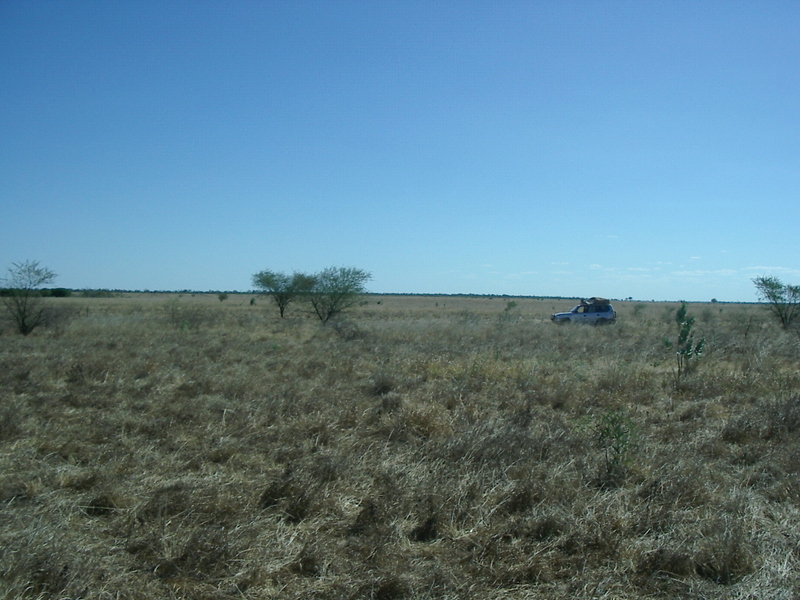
{"points": [[336, 289], [783, 301], [21, 297], [282, 288]]}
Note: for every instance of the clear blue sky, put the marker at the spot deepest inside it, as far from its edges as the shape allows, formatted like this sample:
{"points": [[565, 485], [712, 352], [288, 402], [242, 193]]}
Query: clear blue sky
{"points": [[645, 149]]}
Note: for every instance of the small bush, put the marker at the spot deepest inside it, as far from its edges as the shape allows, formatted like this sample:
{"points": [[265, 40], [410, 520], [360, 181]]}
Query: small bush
{"points": [[615, 434], [184, 316], [687, 351]]}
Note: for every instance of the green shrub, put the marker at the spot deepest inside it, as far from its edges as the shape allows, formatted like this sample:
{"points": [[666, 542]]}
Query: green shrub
{"points": [[686, 349]]}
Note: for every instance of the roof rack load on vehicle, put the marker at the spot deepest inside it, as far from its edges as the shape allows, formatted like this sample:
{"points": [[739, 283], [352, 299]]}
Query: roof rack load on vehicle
{"points": [[596, 301]]}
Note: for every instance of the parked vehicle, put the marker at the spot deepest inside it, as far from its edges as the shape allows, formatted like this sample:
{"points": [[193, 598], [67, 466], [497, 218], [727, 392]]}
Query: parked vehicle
{"points": [[594, 310]]}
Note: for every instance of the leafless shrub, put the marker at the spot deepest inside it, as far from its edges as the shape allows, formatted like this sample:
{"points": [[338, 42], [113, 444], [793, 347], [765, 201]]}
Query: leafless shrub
{"points": [[21, 297]]}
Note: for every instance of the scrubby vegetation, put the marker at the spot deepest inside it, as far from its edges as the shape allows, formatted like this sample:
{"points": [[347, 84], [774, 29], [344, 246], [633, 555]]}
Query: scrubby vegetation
{"points": [[21, 297], [183, 447]]}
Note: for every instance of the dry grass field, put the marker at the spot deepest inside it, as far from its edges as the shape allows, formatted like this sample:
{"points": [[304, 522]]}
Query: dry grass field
{"points": [[156, 446]]}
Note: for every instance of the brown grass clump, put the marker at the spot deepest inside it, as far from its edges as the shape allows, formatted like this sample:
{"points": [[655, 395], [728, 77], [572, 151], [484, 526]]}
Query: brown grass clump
{"points": [[425, 447]]}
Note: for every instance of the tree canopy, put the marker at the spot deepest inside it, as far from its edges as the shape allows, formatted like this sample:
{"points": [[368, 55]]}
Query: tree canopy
{"points": [[281, 287], [783, 300], [329, 292], [336, 289]]}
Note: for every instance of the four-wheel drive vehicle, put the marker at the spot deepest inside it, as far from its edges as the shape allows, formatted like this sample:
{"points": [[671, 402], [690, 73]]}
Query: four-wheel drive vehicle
{"points": [[593, 310]]}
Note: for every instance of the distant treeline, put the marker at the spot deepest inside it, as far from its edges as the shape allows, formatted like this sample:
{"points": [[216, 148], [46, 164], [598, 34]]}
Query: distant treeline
{"points": [[66, 293], [61, 293]]}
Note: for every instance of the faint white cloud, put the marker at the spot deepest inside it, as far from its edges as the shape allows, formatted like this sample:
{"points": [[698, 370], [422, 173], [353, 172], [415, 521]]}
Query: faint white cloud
{"points": [[520, 275], [694, 258], [595, 266], [782, 270], [702, 273]]}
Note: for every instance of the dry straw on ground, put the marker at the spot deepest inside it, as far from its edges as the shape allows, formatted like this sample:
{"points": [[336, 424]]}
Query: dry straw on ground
{"points": [[428, 447]]}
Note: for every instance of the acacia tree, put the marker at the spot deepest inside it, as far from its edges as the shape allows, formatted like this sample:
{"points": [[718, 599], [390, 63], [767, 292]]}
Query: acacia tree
{"points": [[283, 288], [21, 296], [336, 289], [783, 300]]}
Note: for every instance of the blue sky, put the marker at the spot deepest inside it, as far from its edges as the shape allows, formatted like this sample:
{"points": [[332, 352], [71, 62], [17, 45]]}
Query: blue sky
{"points": [[644, 149]]}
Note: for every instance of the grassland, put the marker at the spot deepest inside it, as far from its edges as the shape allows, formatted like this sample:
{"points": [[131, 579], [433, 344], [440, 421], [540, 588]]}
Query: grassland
{"points": [[427, 447]]}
